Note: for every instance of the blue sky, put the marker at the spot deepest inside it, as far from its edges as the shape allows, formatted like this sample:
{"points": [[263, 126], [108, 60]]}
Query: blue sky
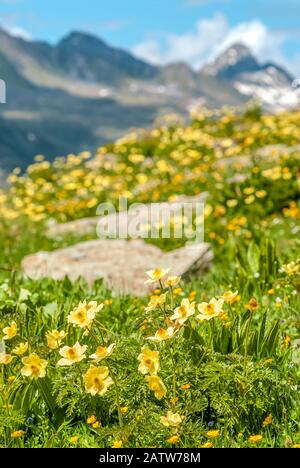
{"points": [[163, 31]]}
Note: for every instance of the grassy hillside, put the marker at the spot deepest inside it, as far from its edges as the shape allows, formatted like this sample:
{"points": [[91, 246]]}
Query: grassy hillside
{"points": [[229, 373]]}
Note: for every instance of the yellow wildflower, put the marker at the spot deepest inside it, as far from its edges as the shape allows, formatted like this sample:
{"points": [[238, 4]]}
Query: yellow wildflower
{"points": [[91, 419], [296, 446], [162, 334], [97, 380], [230, 297], [173, 281], [72, 354], [252, 305], [74, 439], [124, 409], [157, 274], [184, 311], [268, 420], [54, 338], [254, 439], [269, 361], [34, 367], [291, 268], [261, 194], [157, 386], [173, 439], [117, 444], [155, 302], [185, 386], [149, 361], [207, 445], [210, 310], [287, 341], [213, 434], [10, 331], [249, 200], [174, 400], [108, 302], [192, 295], [20, 349], [17, 434], [6, 358], [83, 315], [232, 203], [248, 190], [96, 425], [171, 420], [103, 352]]}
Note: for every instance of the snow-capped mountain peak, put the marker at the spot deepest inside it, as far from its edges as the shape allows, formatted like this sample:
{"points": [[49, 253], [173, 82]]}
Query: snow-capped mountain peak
{"points": [[269, 82], [236, 59]]}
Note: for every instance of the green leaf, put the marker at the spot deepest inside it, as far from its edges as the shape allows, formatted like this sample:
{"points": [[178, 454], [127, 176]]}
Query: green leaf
{"points": [[191, 334], [50, 309], [44, 387], [253, 256], [24, 295], [252, 347], [261, 334], [271, 339]]}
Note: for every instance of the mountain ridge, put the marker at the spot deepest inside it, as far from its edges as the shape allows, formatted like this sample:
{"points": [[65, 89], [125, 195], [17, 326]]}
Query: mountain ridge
{"points": [[81, 92]]}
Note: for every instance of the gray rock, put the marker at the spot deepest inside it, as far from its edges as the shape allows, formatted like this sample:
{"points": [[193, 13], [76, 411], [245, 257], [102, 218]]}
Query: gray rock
{"points": [[121, 263]]}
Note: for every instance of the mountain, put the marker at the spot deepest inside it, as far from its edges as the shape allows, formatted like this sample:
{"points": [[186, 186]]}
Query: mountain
{"points": [[267, 81], [234, 61], [86, 57], [81, 92]]}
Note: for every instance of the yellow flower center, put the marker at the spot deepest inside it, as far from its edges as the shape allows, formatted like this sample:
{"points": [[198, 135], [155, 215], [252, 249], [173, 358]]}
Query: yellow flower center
{"points": [[71, 353], [182, 311], [81, 316], [100, 351], [98, 383], [34, 369], [209, 309], [162, 333]]}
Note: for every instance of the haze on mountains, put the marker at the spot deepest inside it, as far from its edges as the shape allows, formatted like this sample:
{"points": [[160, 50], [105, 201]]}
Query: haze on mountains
{"points": [[81, 93]]}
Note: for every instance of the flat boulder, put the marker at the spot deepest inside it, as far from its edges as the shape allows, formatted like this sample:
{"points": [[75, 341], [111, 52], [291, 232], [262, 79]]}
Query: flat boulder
{"points": [[121, 263]]}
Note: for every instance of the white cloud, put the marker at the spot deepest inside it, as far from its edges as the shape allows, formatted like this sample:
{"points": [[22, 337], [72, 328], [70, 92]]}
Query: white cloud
{"points": [[193, 47], [209, 37]]}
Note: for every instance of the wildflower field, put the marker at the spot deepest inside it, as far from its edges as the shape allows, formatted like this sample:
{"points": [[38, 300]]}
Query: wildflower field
{"points": [[212, 361]]}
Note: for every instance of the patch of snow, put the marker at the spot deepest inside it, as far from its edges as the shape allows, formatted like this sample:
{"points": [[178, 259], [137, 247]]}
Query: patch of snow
{"points": [[280, 97]]}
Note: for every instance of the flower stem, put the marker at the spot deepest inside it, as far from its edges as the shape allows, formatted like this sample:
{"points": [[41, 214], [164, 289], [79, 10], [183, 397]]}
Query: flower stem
{"points": [[174, 373], [117, 396]]}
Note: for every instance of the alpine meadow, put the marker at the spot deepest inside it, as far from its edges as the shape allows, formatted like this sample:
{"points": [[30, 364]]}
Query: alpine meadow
{"points": [[205, 360]]}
